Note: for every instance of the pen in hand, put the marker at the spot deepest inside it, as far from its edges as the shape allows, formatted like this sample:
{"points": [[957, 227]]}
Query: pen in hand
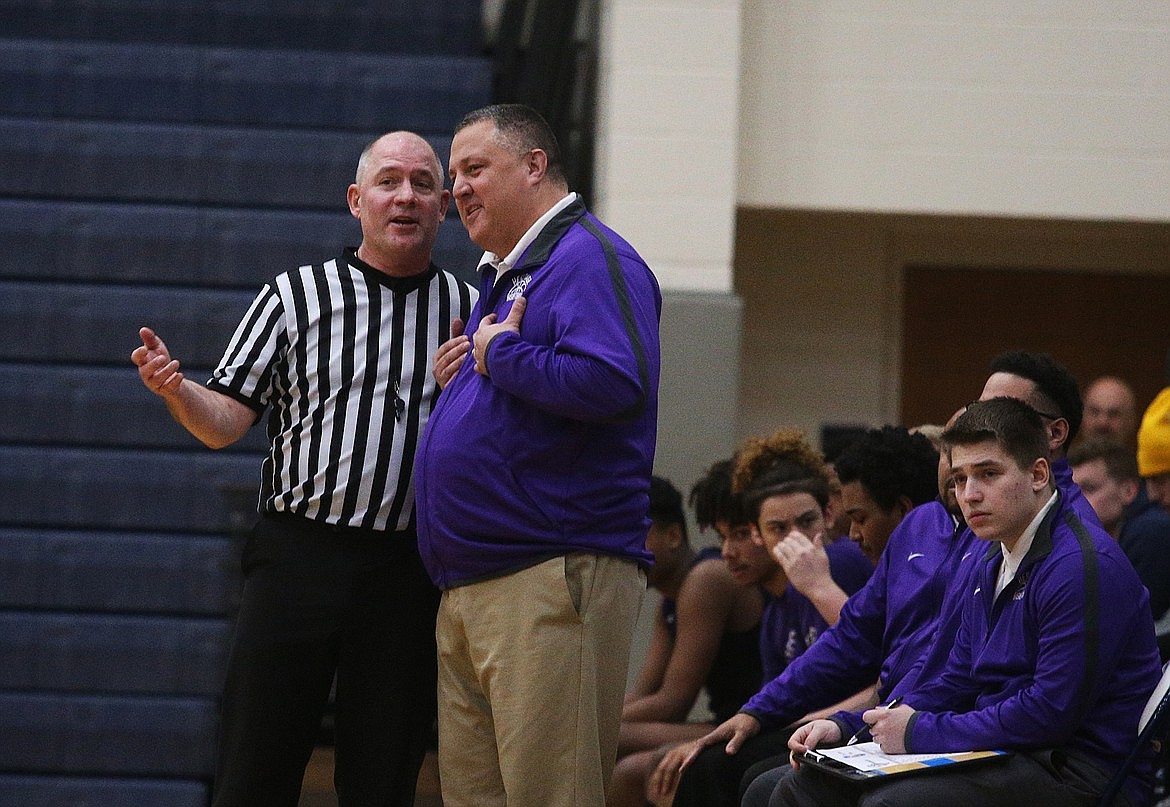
{"points": [[865, 729]]}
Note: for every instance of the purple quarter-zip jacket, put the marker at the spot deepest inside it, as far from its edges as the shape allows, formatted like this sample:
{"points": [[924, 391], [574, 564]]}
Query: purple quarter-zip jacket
{"points": [[1063, 657], [551, 454]]}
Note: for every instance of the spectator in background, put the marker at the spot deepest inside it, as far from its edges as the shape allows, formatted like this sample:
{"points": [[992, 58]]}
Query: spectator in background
{"points": [[1107, 473], [1153, 453], [333, 582], [706, 635], [1110, 410]]}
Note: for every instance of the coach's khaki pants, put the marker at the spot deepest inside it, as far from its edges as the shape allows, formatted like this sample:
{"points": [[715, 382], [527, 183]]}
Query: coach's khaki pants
{"points": [[532, 671]]}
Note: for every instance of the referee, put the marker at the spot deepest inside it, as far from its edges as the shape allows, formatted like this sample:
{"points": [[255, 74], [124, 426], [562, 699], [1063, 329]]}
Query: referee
{"points": [[339, 356]]}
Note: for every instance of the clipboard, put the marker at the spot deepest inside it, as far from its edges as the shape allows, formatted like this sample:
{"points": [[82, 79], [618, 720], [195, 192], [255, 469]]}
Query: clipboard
{"points": [[866, 762]]}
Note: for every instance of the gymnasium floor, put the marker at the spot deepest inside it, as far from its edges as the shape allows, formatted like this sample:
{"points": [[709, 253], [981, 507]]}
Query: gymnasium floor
{"points": [[317, 790]]}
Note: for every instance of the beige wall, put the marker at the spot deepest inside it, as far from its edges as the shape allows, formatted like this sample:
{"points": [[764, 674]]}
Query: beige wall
{"points": [[1028, 108], [667, 130]]}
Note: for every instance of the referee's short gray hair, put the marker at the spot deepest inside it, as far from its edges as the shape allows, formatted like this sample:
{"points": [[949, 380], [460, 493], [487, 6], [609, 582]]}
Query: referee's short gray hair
{"points": [[364, 160]]}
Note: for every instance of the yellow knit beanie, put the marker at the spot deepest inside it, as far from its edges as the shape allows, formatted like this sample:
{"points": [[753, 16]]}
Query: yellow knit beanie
{"points": [[1153, 454]]}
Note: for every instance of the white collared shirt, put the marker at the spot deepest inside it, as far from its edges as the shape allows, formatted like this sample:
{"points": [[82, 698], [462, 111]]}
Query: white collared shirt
{"points": [[1011, 561], [502, 265]]}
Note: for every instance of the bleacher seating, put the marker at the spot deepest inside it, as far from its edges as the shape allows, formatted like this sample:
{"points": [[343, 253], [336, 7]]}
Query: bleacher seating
{"points": [[378, 26], [229, 85], [67, 652], [161, 161], [137, 244], [70, 404], [70, 570]]}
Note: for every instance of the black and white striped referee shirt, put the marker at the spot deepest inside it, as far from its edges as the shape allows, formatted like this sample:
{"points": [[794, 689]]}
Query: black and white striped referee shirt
{"points": [[342, 354]]}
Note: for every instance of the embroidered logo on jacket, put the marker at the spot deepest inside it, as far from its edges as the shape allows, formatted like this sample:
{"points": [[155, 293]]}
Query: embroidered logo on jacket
{"points": [[518, 287]]}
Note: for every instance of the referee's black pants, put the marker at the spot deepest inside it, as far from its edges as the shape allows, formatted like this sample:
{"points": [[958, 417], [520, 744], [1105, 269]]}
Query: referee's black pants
{"points": [[320, 600]]}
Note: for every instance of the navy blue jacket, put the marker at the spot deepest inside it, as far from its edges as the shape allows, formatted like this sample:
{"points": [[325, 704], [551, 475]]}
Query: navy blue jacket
{"points": [[1145, 539]]}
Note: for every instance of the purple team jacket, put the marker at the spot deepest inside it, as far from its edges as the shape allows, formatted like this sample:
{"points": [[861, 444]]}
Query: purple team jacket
{"points": [[932, 662], [553, 453], [1064, 657], [1024, 690]]}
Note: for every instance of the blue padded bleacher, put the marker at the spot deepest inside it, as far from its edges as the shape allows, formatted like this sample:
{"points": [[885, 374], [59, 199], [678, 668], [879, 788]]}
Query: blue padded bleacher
{"points": [[402, 26], [55, 791], [121, 490], [101, 322], [117, 572], [180, 164], [106, 734], [183, 245], [150, 655], [238, 86], [95, 406]]}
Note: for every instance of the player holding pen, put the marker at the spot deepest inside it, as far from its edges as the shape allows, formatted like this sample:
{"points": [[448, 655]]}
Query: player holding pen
{"points": [[1054, 658], [861, 732]]}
